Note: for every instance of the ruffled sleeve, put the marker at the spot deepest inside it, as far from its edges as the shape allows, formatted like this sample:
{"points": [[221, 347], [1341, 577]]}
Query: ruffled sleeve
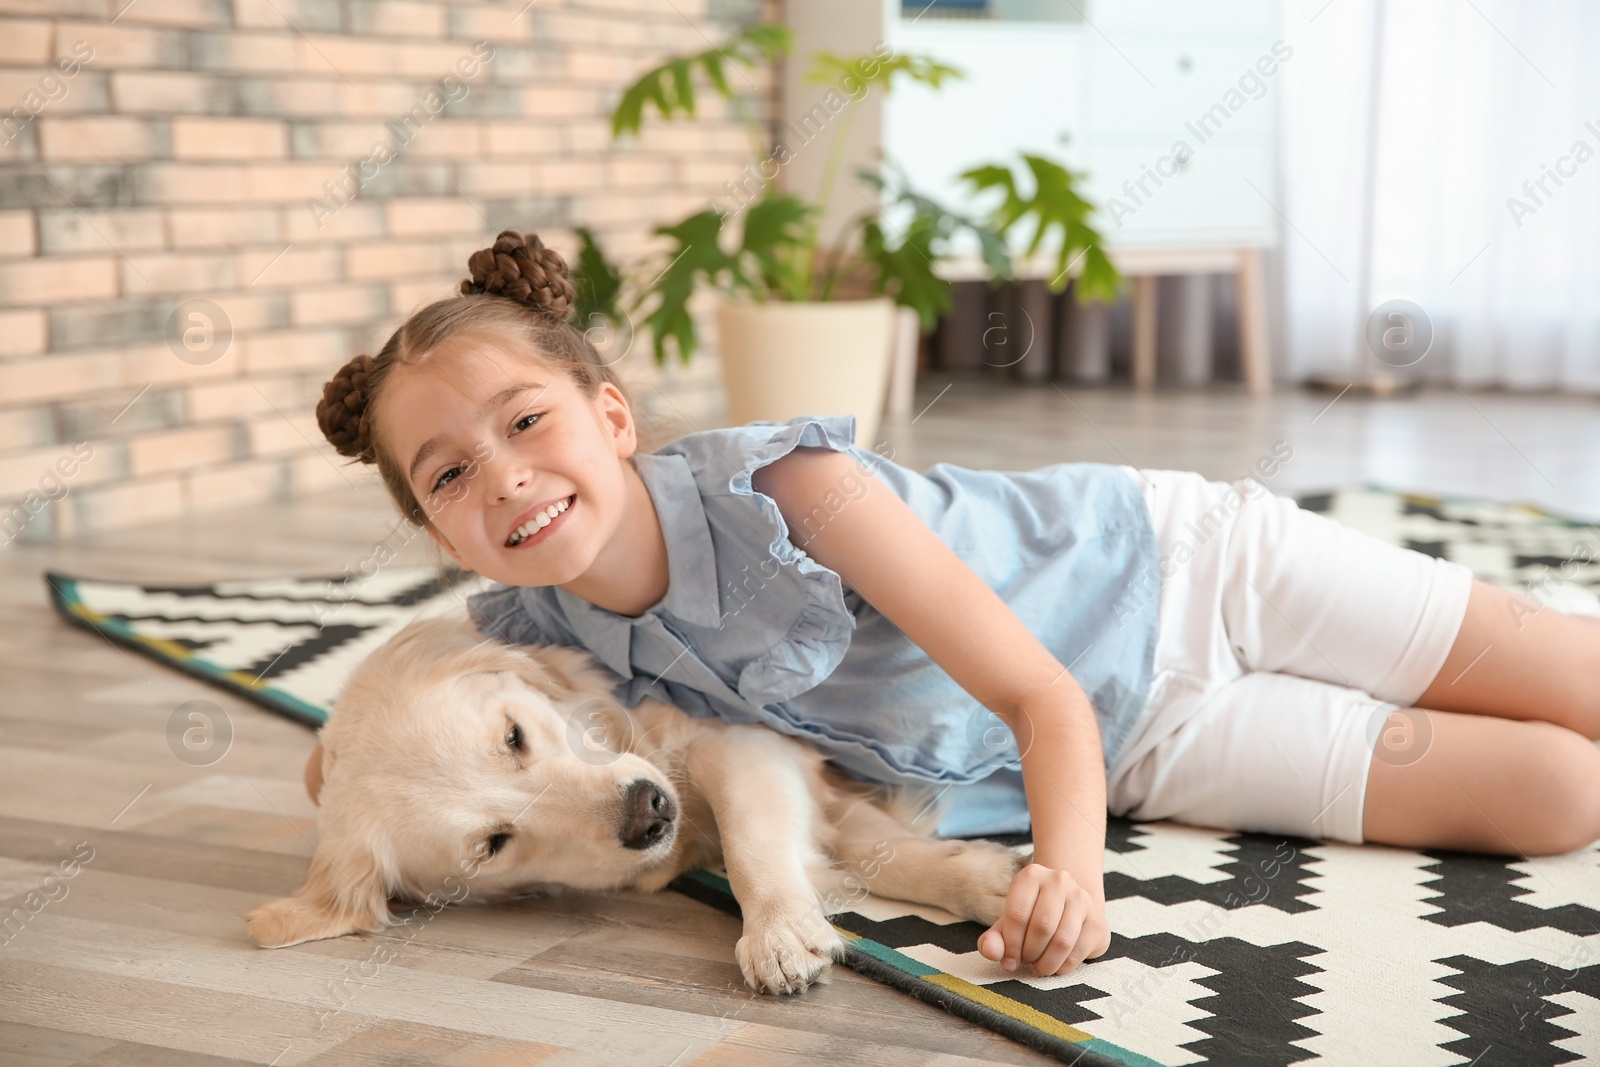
{"points": [[816, 640]]}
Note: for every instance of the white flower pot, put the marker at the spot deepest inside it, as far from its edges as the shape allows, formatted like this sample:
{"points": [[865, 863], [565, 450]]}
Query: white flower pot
{"points": [[783, 359]]}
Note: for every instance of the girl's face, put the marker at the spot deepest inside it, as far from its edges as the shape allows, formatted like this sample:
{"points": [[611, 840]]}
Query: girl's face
{"points": [[489, 440]]}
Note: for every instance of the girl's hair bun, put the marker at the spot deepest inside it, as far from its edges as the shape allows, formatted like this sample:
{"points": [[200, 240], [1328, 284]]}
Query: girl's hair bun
{"points": [[519, 266], [342, 412]]}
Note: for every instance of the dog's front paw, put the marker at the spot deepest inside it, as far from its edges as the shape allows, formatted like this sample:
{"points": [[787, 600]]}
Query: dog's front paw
{"points": [[784, 953], [984, 873]]}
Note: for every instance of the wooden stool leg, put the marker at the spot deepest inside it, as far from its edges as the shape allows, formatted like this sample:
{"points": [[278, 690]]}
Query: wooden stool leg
{"points": [[1253, 354], [1144, 331]]}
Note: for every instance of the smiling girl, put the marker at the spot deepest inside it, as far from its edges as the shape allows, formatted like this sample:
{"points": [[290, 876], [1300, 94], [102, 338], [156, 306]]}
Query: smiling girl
{"points": [[1045, 644]]}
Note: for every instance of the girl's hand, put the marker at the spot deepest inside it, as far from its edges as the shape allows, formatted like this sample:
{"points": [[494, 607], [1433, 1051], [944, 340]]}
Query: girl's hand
{"points": [[1050, 921]]}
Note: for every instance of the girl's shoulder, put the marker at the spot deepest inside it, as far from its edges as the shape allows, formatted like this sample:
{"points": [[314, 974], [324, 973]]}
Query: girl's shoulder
{"points": [[1063, 501], [724, 459]]}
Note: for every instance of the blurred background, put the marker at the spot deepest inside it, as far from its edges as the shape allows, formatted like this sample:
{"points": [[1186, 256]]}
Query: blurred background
{"points": [[197, 225]]}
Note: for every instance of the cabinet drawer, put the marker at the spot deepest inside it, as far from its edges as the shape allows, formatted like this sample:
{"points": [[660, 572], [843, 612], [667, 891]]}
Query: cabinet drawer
{"points": [[1210, 200], [1156, 86]]}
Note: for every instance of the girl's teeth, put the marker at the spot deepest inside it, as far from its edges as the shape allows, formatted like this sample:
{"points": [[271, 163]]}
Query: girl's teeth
{"points": [[539, 521]]}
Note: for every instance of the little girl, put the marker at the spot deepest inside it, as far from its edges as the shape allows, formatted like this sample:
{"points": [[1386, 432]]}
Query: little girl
{"points": [[1048, 644]]}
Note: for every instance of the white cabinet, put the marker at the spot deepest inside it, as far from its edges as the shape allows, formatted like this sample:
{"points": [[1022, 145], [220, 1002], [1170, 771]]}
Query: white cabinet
{"points": [[1169, 108]]}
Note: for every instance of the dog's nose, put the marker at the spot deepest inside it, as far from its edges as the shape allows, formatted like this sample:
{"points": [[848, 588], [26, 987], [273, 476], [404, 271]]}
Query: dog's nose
{"points": [[647, 815]]}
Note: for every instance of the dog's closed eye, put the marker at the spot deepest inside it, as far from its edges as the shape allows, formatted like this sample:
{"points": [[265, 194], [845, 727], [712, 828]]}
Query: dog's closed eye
{"points": [[495, 842]]}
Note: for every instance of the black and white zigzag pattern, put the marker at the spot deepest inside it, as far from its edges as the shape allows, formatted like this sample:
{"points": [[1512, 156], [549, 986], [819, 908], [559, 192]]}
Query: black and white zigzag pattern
{"points": [[1247, 949]]}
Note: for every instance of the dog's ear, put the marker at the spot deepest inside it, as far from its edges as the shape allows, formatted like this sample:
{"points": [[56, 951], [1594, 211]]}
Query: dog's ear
{"points": [[325, 739], [453, 644], [559, 672], [335, 900]]}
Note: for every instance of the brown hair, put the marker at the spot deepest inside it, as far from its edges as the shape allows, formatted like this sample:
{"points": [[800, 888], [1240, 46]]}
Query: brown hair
{"points": [[519, 290]]}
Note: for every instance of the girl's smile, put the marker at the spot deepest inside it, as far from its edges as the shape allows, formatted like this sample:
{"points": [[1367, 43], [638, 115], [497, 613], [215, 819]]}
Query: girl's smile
{"points": [[539, 523]]}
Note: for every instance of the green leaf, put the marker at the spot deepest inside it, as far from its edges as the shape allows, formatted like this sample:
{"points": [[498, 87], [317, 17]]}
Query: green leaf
{"points": [[988, 175], [597, 282], [671, 85], [875, 70], [770, 260], [905, 270], [873, 179], [630, 109], [775, 236], [696, 254], [629, 113], [682, 84], [1053, 206], [992, 176], [1098, 280], [942, 223], [996, 256], [711, 63], [766, 42]]}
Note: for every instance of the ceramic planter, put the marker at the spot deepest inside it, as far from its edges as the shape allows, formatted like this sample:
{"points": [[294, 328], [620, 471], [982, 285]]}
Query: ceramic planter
{"points": [[783, 359]]}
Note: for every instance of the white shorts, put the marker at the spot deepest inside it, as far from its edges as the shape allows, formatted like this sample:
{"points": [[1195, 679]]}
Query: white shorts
{"points": [[1285, 639]]}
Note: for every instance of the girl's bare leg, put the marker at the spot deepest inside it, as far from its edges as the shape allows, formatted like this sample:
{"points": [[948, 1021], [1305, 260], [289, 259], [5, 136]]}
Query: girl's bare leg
{"points": [[1502, 757], [1482, 784], [1517, 660]]}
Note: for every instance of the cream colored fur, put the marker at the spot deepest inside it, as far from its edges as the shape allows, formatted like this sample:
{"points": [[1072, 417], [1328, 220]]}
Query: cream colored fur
{"points": [[418, 770]]}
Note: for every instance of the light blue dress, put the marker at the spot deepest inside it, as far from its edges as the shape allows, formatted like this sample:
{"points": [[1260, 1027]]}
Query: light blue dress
{"points": [[753, 630]]}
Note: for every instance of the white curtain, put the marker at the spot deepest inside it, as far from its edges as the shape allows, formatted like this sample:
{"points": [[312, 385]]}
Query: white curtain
{"points": [[1474, 98]]}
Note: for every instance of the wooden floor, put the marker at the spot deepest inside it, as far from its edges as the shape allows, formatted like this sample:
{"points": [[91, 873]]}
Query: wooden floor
{"points": [[142, 957]]}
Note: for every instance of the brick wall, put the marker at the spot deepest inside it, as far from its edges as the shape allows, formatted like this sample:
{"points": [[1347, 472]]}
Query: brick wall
{"points": [[182, 264]]}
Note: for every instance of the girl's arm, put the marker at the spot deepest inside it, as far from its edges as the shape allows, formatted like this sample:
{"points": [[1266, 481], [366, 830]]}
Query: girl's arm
{"points": [[1055, 910]]}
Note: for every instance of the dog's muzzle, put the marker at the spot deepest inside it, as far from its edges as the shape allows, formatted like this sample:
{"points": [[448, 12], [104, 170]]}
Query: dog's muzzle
{"points": [[647, 815]]}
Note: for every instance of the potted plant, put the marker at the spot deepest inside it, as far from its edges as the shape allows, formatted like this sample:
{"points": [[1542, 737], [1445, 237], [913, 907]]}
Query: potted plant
{"points": [[807, 326]]}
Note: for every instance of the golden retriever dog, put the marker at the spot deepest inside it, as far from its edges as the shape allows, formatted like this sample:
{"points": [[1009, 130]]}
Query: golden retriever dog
{"points": [[463, 769]]}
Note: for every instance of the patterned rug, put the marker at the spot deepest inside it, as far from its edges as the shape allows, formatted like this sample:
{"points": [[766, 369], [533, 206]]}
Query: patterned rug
{"points": [[1227, 948]]}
